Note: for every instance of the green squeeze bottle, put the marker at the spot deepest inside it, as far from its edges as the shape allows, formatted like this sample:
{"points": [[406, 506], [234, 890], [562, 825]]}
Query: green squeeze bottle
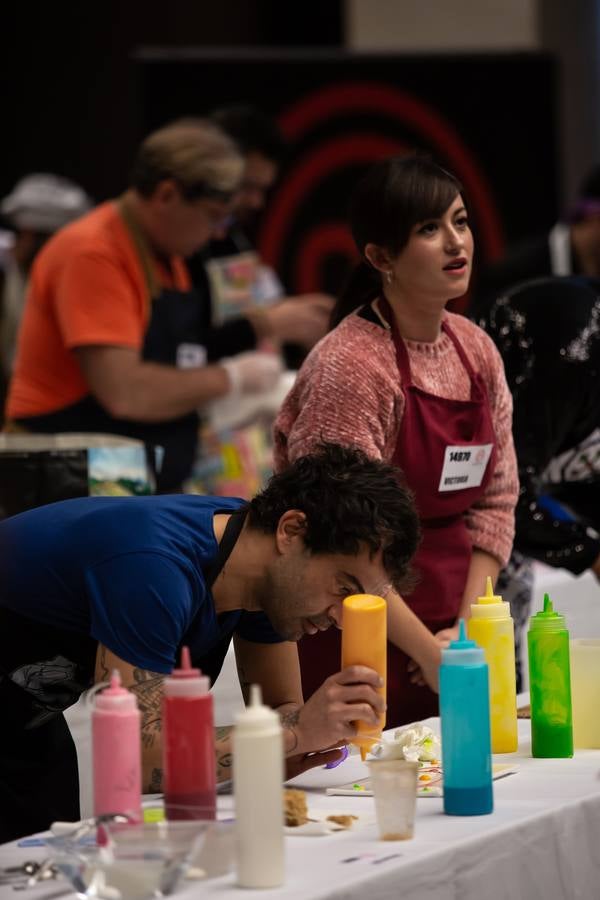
{"points": [[549, 684]]}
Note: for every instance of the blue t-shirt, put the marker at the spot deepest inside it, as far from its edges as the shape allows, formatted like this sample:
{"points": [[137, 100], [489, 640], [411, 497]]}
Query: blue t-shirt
{"points": [[126, 571]]}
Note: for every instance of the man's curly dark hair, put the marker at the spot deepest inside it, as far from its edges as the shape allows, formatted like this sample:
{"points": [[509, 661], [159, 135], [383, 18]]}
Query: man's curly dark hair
{"points": [[349, 500]]}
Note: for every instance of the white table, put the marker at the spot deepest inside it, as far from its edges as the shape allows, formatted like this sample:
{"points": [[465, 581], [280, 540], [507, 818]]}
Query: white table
{"points": [[541, 843]]}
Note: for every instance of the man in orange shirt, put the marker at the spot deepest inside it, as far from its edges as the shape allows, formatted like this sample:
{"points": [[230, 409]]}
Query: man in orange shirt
{"points": [[112, 339]]}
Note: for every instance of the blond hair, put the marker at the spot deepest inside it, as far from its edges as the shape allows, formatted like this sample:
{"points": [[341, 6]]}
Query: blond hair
{"points": [[193, 152]]}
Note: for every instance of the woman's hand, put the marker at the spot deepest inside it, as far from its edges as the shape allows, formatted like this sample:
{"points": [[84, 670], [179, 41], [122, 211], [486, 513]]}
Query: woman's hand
{"points": [[426, 674], [418, 676], [446, 635]]}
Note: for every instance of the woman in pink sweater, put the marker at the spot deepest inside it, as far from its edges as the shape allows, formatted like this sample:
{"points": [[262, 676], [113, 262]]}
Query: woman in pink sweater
{"points": [[409, 382]]}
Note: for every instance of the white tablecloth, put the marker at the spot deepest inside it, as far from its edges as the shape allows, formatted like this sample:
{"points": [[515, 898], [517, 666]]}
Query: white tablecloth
{"points": [[541, 843]]}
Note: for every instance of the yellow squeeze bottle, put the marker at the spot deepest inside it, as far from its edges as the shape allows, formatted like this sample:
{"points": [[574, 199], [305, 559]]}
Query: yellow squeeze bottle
{"points": [[364, 643], [491, 626]]}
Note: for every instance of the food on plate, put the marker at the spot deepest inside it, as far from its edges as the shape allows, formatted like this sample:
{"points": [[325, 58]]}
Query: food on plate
{"points": [[343, 821], [294, 806]]}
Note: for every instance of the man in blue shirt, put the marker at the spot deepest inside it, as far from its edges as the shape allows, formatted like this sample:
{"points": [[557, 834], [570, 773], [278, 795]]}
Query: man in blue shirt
{"points": [[94, 584]]}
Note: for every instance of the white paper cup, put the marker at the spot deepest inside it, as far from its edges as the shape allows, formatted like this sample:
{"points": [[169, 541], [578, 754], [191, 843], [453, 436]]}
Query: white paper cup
{"points": [[394, 783], [585, 692]]}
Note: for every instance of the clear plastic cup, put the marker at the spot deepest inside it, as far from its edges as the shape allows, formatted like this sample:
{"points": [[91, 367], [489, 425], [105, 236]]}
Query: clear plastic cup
{"points": [[136, 861], [394, 784], [585, 691], [149, 859]]}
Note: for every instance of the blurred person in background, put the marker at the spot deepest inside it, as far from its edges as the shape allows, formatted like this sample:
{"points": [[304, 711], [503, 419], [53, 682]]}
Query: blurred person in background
{"points": [[112, 340], [237, 288], [548, 334], [37, 206], [572, 247]]}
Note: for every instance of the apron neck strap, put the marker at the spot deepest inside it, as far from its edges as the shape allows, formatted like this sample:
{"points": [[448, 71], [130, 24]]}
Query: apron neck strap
{"points": [[142, 249], [461, 354], [402, 358], [226, 544]]}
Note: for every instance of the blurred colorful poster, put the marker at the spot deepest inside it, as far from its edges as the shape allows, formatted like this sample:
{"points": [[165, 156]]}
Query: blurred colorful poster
{"points": [[118, 471], [233, 463]]}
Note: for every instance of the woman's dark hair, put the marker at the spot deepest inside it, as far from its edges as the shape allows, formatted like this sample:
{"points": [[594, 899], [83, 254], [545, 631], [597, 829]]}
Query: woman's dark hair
{"points": [[349, 500], [394, 196]]}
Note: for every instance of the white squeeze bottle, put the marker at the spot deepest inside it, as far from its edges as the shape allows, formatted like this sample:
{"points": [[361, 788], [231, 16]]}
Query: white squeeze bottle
{"points": [[258, 790]]}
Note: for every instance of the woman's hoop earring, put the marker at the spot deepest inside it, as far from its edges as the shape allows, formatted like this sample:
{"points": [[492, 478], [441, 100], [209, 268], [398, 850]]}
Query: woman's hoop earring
{"points": [[388, 277]]}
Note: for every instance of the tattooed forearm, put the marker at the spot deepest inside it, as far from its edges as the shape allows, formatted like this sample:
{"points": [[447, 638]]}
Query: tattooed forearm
{"points": [[224, 764], [223, 752], [148, 689], [289, 719], [102, 673]]}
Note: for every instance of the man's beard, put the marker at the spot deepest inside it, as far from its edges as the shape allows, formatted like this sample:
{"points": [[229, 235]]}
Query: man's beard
{"points": [[279, 601]]}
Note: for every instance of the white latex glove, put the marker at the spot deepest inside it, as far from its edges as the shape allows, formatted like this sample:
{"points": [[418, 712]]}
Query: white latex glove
{"points": [[236, 411], [253, 372]]}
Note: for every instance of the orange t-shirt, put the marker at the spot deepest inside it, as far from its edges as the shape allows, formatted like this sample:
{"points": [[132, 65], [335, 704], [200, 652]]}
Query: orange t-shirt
{"points": [[87, 287]]}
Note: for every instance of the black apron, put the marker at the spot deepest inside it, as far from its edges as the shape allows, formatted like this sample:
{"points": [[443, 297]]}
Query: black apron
{"points": [[176, 319], [43, 671]]}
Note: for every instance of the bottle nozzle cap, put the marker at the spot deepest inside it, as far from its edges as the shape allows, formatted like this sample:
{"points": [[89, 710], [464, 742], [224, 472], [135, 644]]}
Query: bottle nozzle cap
{"points": [[490, 606], [115, 687], [255, 695], [462, 651], [115, 696], [489, 596], [256, 715], [462, 642], [547, 617], [186, 669]]}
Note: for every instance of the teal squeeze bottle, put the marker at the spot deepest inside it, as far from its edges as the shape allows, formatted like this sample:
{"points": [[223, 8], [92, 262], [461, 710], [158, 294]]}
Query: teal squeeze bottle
{"points": [[550, 684], [466, 737]]}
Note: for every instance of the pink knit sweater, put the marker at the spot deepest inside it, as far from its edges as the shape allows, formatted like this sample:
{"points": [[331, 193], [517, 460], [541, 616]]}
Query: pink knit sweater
{"points": [[348, 391]]}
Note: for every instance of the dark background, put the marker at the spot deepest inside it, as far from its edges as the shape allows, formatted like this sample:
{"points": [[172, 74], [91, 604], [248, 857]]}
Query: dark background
{"points": [[84, 83], [67, 74], [340, 110]]}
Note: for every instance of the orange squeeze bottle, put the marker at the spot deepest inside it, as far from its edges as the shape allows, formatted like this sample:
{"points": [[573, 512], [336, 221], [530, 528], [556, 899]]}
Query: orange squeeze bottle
{"points": [[364, 643]]}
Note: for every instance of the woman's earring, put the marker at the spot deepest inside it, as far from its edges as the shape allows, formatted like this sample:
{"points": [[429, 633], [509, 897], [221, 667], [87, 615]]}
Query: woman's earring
{"points": [[388, 277]]}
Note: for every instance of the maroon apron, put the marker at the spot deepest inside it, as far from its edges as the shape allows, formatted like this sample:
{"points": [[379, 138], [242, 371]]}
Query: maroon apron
{"points": [[429, 425]]}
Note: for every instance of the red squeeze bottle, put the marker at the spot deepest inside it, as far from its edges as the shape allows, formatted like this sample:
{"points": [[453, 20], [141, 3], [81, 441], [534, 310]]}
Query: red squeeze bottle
{"points": [[189, 767]]}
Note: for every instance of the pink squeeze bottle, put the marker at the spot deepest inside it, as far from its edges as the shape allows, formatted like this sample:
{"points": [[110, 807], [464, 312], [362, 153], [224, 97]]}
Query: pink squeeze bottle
{"points": [[116, 752]]}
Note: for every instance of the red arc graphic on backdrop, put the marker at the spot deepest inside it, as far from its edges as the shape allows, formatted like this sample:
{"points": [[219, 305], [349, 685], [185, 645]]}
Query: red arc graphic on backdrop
{"points": [[357, 147]]}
